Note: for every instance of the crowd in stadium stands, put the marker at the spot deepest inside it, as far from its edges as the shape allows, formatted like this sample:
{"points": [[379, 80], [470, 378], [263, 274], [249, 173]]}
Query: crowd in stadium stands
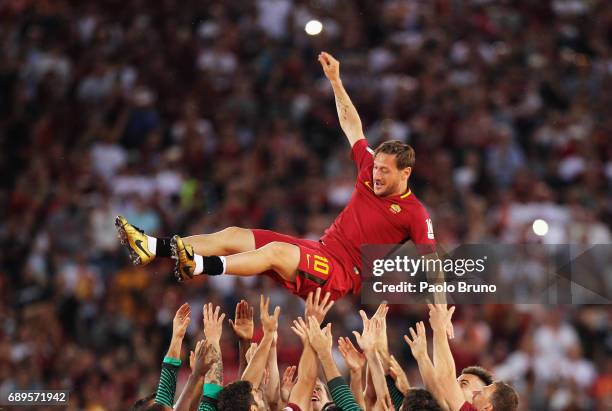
{"points": [[188, 116]]}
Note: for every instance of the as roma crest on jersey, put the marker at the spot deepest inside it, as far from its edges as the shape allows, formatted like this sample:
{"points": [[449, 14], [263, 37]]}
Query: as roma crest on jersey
{"points": [[395, 208]]}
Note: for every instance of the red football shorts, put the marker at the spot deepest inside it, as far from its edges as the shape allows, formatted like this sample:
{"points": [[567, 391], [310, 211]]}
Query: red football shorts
{"points": [[317, 268]]}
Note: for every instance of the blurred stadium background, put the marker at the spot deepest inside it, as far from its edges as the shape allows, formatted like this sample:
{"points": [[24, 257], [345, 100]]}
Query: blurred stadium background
{"points": [[188, 116]]}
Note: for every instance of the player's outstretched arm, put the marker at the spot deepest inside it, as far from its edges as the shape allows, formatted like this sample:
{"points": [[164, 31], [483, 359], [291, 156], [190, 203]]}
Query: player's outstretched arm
{"points": [[444, 364], [192, 392], [272, 390], [367, 341], [301, 393], [397, 383], [213, 327], [382, 343], [418, 346], [316, 307], [382, 347], [321, 341], [288, 382], [347, 113], [355, 361], [172, 361], [243, 326], [269, 323]]}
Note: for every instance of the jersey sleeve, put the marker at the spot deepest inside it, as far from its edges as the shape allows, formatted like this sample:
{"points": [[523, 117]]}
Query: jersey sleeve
{"points": [[207, 404], [167, 382], [362, 155], [342, 395], [396, 395], [421, 231]]}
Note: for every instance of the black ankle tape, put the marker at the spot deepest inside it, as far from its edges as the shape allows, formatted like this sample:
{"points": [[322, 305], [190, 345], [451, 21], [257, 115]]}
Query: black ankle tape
{"points": [[163, 248], [212, 265]]}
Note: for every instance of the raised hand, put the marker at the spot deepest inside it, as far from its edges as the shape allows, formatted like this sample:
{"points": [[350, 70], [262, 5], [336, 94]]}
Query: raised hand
{"points": [[440, 318], [287, 383], [243, 324], [382, 344], [354, 359], [331, 66], [317, 307], [301, 330], [181, 321], [320, 340], [418, 343], [192, 358], [269, 322], [213, 323], [202, 359], [371, 328], [398, 375]]}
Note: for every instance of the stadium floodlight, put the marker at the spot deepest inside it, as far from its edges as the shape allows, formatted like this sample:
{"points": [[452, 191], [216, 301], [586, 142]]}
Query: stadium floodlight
{"points": [[540, 227], [313, 27]]}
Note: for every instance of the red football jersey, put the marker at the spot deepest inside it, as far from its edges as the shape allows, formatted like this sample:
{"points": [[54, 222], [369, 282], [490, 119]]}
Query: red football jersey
{"points": [[467, 407], [369, 219]]}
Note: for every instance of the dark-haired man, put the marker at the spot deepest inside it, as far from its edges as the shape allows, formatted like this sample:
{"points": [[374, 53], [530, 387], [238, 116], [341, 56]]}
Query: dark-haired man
{"points": [[148, 404], [472, 379], [240, 396], [382, 210], [418, 399]]}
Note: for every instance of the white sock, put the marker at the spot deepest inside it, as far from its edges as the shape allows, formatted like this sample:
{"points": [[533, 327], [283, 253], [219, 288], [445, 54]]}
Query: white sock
{"points": [[223, 260], [199, 268], [152, 244]]}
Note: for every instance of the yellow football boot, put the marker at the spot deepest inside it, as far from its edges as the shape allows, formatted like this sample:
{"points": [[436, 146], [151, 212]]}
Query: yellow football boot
{"points": [[135, 240], [185, 262]]}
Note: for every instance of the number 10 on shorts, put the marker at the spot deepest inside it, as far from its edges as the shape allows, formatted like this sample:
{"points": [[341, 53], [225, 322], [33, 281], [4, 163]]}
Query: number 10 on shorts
{"points": [[321, 264]]}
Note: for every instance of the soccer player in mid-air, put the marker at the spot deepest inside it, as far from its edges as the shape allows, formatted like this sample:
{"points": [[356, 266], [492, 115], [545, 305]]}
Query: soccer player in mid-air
{"points": [[382, 210]]}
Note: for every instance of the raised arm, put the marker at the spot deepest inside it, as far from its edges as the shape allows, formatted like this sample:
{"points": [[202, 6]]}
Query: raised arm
{"points": [[190, 397], [172, 361], [347, 113], [243, 326], [397, 383], [253, 372], [444, 364], [272, 390], [355, 361], [316, 307], [213, 327], [382, 348], [301, 393], [287, 383], [382, 343], [418, 346], [367, 341], [321, 341]]}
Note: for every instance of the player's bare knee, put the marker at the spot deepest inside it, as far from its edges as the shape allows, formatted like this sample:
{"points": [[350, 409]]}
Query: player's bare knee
{"points": [[237, 239], [233, 232], [279, 252]]}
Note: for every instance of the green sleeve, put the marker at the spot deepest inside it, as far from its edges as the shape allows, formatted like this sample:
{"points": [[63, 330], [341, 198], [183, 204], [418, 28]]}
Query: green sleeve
{"points": [[210, 392], [342, 395], [396, 395], [208, 404], [167, 384]]}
